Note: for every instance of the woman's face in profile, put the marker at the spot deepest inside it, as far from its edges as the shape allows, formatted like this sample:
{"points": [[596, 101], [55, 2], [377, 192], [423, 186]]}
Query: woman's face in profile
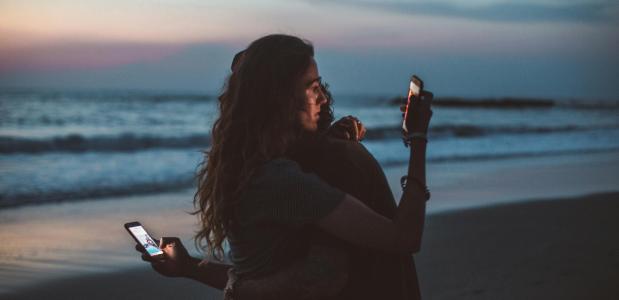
{"points": [[314, 98]]}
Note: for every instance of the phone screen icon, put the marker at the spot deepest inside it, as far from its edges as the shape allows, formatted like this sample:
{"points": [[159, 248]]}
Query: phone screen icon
{"points": [[145, 240]]}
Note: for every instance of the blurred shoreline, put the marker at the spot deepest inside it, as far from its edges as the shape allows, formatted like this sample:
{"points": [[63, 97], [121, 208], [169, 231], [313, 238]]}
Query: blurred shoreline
{"points": [[48, 242], [67, 145]]}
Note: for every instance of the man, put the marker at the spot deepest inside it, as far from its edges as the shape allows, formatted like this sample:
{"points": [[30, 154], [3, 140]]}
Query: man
{"points": [[346, 164]]}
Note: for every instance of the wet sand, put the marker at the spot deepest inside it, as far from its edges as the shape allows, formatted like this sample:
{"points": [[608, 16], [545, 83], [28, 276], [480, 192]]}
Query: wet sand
{"points": [[509, 229], [565, 249]]}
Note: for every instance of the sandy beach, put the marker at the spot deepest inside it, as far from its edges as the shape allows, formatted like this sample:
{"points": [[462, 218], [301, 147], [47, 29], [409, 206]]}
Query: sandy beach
{"points": [[125, 112], [491, 242], [564, 249], [539, 250]]}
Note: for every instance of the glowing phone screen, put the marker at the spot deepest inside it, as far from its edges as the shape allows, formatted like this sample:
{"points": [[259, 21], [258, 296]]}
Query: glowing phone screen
{"points": [[414, 89], [145, 240]]}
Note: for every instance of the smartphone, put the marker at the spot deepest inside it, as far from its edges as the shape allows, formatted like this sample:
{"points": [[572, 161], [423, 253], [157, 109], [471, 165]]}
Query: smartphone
{"points": [[414, 90], [142, 237]]}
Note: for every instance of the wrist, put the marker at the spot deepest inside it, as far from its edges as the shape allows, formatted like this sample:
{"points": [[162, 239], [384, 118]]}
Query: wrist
{"points": [[416, 138], [421, 134], [406, 181]]}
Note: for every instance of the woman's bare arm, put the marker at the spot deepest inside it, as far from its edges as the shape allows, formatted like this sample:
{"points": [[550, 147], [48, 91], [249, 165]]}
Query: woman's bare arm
{"points": [[352, 221]]}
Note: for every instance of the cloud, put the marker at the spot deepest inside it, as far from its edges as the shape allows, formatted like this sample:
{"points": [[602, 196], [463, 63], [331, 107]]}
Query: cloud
{"points": [[204, 67], [199, 67], [80, 55], [501, 12]]}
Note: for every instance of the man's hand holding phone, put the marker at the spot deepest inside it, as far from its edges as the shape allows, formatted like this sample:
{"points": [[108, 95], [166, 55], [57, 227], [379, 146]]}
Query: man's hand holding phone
{"points": [[167, 256]]}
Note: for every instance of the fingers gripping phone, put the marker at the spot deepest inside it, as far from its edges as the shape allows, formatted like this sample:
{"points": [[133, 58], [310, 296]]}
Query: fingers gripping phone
{"points": [[142, 237], [414, 90]]}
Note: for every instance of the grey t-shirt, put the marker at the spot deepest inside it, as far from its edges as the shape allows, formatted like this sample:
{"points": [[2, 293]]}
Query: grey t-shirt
{"points": [[272, 213]]}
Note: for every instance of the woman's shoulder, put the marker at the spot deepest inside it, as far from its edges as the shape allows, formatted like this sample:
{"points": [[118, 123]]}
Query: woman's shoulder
{"points": [[278, 167], [283, 175], [276, 173], [280, 190]]}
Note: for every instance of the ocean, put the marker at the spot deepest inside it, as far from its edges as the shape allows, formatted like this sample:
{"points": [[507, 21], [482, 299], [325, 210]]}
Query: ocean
{"points": [[69, 145]]}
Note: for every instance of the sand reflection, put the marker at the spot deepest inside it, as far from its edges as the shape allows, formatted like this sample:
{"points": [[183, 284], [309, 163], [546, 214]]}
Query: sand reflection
{"points": [[48, 241]]}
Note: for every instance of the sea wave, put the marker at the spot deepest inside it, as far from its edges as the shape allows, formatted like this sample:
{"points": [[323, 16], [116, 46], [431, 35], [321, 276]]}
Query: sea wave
{"points": [[443, 131], [132, 142], [182, 182], [500, 103], [590, 104], [481, 157], [50, 196], [80, 143], [515, 103]]}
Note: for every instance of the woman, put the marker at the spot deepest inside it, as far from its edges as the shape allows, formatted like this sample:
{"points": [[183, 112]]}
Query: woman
{"points": [[258, 198]]}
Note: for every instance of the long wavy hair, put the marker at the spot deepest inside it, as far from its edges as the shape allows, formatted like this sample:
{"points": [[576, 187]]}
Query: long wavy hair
{"points": [[258, 121]]}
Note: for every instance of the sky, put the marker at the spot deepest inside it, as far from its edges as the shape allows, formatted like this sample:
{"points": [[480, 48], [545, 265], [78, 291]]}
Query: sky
{"points": [[477, 48]]}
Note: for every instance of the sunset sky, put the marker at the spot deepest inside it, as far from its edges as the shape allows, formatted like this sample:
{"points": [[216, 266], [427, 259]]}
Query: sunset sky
{"points": [[479, 48]]}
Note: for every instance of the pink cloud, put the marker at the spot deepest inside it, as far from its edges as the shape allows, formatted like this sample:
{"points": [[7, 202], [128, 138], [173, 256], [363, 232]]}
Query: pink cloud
{"points": [[82, 55]]}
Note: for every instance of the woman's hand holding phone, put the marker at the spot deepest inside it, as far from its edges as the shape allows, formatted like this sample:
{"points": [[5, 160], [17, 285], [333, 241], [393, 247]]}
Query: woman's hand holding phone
{"points": [[176, 261], [417, 110], [420, 113]]}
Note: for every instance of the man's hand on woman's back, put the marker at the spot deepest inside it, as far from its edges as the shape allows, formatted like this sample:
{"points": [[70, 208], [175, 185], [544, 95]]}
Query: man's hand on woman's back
{"points": [[347, 128]]}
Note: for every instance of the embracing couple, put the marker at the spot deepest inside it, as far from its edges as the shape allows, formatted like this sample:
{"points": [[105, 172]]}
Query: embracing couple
{"points": [[305, 209]]}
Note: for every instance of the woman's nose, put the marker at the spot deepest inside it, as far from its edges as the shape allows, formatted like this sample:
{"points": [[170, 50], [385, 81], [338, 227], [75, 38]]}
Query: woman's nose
{"points": [[322, 99]]}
